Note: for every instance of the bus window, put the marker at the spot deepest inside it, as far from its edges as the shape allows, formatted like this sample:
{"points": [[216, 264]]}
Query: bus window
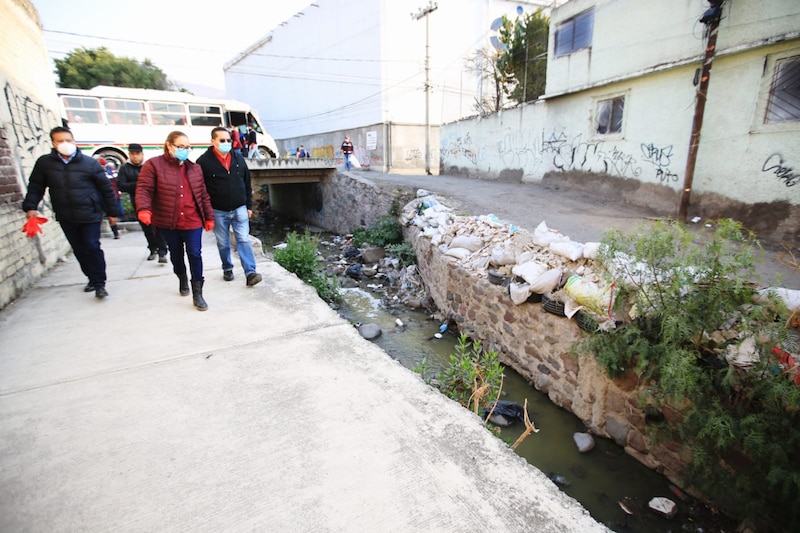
{"points": [[205, 115], [82, 110], [167, 114], [252, 120], [125, 112]]}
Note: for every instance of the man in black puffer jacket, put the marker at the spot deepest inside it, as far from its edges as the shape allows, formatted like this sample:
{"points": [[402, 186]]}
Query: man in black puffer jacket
{"points": [[80, 192], [228, 183]]}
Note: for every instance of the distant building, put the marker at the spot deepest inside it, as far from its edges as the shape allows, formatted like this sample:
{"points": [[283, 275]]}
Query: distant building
{"points": [[357, 67]]}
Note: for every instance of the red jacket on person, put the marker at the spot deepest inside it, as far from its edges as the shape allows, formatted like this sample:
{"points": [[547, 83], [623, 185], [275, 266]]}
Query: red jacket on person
{"points": [[159, 186]]}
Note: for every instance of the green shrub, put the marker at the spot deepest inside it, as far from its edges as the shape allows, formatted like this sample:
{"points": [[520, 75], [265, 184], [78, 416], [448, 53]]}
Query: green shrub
{"points": [[300, 258], [385, 231], [404, 252], [741, 427], [473, 376]]}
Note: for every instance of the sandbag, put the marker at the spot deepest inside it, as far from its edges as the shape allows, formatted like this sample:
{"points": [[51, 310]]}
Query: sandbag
{"points": [[459, 253], [529, 271], [570, 249], [543, 235], [547, 282], [502, 256], [470, 242], [519, 292], [590, 295], [790, 297], [591, 249]]}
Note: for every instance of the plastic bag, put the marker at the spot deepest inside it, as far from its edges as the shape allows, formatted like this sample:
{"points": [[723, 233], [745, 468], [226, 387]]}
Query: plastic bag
{"points": [[591, 295], [502, 256], [519, 292], [591, 249], [543, 236]]}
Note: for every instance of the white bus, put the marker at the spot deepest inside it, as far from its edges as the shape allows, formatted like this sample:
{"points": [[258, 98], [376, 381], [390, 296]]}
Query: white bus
{"points": [[105, 120]]}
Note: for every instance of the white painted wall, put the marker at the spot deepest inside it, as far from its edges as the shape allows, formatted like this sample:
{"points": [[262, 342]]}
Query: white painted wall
{"points": [[348, 63]]}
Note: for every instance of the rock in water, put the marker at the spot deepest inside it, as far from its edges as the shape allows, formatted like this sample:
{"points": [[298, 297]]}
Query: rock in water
{"points": [[370, 331], [663, 506], [583, 441]]}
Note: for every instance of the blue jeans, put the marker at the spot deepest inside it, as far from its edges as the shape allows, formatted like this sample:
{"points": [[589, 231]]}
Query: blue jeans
{"points": [[192, 240], [85, 242], [239, 221], [347, 161]]}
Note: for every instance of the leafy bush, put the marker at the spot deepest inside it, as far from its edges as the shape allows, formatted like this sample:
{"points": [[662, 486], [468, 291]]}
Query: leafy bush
{"points": [[473, 376], [300, 258], [404, 252], [385, 231], [741, 426]]}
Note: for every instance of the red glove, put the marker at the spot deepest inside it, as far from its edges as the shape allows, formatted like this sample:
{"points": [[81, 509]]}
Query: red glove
{"points": [[146, 217], [209, 225], [33, 226]]}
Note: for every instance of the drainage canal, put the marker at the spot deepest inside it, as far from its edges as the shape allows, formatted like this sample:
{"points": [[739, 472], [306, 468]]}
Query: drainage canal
{"points": [[611, 485]]}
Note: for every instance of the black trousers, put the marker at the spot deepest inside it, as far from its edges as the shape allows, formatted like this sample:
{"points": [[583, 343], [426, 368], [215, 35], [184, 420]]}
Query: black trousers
{"points": [[85, 242]]}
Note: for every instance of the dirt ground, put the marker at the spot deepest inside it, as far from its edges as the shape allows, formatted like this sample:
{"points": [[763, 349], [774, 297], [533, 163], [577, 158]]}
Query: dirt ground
{"points": [[579, 215]]}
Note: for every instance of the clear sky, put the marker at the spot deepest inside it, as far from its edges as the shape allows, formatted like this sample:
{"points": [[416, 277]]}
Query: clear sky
{"points": [[188, 40]]}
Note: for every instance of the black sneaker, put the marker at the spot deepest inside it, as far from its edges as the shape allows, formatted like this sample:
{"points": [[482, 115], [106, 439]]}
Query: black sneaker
{"points": [[253, 278], [89, 287], [227, 275], [162, 258], [100, 291], [152, 256]]}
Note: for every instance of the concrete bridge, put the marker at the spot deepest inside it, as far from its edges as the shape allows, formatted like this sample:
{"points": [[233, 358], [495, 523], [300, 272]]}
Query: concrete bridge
{"points": [[284, 171]]}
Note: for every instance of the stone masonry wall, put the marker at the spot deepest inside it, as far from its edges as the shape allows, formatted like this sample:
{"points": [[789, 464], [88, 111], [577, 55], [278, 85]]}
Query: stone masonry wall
{"points": [[538, 345]]}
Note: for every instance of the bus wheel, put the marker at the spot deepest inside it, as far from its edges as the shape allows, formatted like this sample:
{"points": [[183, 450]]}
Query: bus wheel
{"points": [[113, 157], [265, 152]]}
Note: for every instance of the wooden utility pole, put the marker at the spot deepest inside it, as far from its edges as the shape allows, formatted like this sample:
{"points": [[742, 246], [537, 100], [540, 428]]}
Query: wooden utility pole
{"points": [[712, 18], [424, 12]]}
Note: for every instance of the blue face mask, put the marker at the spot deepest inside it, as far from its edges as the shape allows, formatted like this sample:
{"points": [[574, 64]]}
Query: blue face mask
{"points": [[181, 154], [224, 147]]}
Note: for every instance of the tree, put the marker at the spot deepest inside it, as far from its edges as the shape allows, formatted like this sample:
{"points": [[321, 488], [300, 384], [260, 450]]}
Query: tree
{"points": [[85, 68], [484, 64], [523, 64]]}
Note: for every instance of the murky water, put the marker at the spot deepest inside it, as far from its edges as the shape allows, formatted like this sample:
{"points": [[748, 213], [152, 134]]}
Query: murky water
{"points": [[599, 479]]}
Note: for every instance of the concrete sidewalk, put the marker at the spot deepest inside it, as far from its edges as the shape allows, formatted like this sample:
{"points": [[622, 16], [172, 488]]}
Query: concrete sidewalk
{"points": [[266, 413]]}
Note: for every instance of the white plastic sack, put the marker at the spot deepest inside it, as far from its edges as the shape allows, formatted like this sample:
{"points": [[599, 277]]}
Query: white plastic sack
{"points": [[789, 297], [590, 250], [519, 292], [570, 249], [529, 271], [459, 253], [470, 242], [590, 295], [502, 256], [543, 236], [547, 282]]}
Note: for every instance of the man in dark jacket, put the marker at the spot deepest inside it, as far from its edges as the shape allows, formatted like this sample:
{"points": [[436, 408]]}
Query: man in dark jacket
{"points": [[80, 192], [228, 183], [127, 177]]}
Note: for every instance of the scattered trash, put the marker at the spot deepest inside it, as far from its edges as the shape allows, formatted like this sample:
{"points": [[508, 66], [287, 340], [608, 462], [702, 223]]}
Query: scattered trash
{"points": [[696, 219]]}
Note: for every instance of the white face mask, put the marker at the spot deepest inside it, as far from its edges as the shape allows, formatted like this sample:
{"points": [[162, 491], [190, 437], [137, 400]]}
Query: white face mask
{"points": [[66, 148]]}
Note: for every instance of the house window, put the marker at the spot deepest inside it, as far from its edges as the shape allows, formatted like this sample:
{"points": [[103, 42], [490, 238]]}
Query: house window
{"points": [[575, 34], [609, 115], [784, 94]]}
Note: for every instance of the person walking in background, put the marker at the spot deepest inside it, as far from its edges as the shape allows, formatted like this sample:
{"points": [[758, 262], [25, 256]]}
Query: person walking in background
{"points": [[113, 179], [171, 195], [301, 152], [228, 183], [347, 150], [127, 177], [80, 192], [252, 142], [236, 140]]}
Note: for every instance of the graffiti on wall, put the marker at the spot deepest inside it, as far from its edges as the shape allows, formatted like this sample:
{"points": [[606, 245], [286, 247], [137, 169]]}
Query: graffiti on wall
{"points": [[777, 165], [557, 151], [323, 152], [660, 158], [31, 123]]}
